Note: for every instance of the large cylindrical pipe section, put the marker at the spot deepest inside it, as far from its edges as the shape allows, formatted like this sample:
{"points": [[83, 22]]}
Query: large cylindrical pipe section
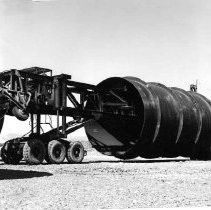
{"points": [[166, 122]]}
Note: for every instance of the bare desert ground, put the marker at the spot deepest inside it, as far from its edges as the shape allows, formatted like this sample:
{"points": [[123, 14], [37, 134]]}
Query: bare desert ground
{"points": [[106, 182]]}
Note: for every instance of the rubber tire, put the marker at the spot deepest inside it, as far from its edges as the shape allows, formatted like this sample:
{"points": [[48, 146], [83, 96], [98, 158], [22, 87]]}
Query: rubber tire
{"points": [[71, 155], [47, 159], [19, 114], [30, 149], [53, 147], [9, 154], [5, 153]]}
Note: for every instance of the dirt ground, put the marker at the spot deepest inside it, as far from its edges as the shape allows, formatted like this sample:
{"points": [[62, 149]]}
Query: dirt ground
{"points": [[105, 182]]}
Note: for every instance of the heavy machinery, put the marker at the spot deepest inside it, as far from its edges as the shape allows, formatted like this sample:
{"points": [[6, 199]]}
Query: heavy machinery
{"points": [[34, 92], [122, 117]]}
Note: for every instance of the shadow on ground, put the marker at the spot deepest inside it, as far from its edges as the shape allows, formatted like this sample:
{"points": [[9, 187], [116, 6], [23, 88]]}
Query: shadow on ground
{"points": [[109, 161], [21, 174]]}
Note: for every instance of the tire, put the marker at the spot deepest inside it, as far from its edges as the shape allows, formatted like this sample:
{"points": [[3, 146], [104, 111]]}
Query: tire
{"points": [[47, 159], [10, 153], [75, 152], [34, 151], [56, 151], [5, 153], [19, 114]]}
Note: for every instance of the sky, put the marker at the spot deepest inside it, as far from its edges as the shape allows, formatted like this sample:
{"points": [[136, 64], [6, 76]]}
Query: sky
{"points": [[166, 41]]}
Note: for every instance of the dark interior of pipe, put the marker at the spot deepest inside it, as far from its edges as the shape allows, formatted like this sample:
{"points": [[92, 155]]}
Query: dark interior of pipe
{"points": [[124, 129]]}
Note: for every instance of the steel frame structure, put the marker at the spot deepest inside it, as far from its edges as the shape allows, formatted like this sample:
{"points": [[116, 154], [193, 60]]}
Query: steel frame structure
{"points": [[35, 92]]}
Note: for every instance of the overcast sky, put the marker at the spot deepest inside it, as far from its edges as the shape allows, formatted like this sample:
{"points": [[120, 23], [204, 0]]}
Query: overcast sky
{"points": [[166, 41]]}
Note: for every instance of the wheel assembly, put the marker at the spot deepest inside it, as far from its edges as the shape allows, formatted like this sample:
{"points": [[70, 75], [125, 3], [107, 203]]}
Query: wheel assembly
{"points": [[10, 153], [75, 152], [34, 151], [56, 152]]}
